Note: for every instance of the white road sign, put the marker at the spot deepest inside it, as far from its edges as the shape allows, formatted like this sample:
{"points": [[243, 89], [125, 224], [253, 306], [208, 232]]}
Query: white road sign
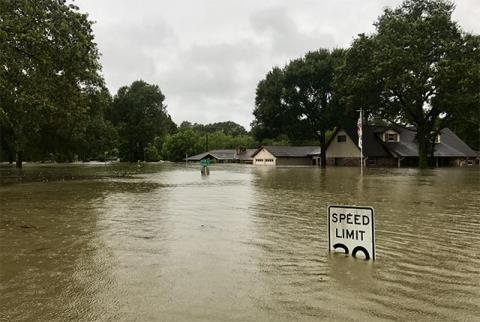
{"points": [[351, 229]]}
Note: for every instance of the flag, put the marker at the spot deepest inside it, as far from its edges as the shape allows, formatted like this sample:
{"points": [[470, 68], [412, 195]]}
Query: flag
{"points": [[360, 130]]}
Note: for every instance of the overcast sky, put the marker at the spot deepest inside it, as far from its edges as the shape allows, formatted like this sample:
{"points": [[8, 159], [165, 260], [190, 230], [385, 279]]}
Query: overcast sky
{"points": [[207, 56]]}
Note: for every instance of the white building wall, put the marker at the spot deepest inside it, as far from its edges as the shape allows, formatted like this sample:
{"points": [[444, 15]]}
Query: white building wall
{"points": [[264, 158]]}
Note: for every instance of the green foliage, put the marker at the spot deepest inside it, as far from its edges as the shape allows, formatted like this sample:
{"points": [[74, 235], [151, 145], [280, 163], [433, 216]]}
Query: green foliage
{"points": [[270, 121], [228, 127], [176, 146], [298, 100], [140, 116], [49, 61], [152, 154], [418, 68], [220, 140], [101, 137], [465, 117], [193, 139], [281, 140]]}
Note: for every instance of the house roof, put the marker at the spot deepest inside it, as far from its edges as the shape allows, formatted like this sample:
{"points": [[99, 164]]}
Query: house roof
{"points": [[450, 145], [290, 151], [224, 154], [373, 146]]}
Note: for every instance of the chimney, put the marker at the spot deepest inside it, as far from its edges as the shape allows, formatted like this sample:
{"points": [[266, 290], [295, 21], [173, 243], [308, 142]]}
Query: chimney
{"points": [[241, 150]]}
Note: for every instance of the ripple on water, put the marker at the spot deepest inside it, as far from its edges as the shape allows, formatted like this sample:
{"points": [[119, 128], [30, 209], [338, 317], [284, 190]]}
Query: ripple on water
{"points": [[245, 244]]}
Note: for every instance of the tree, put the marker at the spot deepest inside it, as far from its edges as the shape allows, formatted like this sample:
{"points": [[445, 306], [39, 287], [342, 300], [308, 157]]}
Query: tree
{"points": [[48, 59], [270, 119], [183, 142], [465, 118], [140, 116], [228, 127], [299, 100], [308, 94], [99, 138], [414, 70]]}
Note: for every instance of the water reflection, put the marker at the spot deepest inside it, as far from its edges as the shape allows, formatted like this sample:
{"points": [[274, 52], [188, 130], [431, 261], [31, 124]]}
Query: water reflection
{"points": [[49, 253]]}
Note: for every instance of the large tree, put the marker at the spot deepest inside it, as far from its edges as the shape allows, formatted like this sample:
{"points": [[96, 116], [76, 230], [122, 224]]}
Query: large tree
{"points": [[308, 94], [299, 100], [139, 114], [185, 142], [99, 138], [270, 119], [48, 59], [417, 68]]}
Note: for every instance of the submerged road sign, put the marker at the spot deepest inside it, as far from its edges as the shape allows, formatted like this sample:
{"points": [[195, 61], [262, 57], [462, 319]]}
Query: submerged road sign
{"points": [[351, 229]]}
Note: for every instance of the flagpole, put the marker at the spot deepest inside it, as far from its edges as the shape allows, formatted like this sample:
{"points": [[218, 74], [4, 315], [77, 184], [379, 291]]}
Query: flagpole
{"points": [[360, 132]]}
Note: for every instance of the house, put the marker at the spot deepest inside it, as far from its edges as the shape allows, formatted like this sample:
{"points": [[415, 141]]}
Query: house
{"points": [[286, 155], [388, 146], [239, 155]]}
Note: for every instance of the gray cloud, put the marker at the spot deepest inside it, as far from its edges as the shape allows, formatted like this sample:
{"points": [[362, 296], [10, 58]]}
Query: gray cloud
{"points": [[207, 56], [284, 35], [130, 52]]}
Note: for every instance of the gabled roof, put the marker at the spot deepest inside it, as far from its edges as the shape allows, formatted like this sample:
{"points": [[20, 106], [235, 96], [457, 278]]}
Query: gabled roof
{"points": [[373, 146], [450, 145], [247, 155], [222, 155], [290, 151]]}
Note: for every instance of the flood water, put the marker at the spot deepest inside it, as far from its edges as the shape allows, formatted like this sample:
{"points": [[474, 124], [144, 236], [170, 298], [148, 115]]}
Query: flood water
{"points": [[160, 242]]}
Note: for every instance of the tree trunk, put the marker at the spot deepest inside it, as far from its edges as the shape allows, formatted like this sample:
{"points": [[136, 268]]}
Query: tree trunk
{"points": [[10, 156], [323, 153], [422, 150], [19, 160], [432, 154]]}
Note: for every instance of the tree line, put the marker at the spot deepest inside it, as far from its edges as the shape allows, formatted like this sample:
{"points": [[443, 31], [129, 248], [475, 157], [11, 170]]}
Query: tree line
{"points": [[54, 105], [418, 68]]}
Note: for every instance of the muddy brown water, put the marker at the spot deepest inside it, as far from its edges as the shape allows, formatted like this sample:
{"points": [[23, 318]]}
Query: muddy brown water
{"points": [[159, 242]]}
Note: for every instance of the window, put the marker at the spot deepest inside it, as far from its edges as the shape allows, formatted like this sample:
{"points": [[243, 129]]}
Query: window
{"points": [[437, 138], [372, 162], [342, 138], [391, 137], [269, 160], [258, 160]]}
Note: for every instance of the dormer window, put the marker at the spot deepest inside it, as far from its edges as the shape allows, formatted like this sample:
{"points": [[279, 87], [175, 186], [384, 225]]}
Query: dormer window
{"points": [[391, 136]]}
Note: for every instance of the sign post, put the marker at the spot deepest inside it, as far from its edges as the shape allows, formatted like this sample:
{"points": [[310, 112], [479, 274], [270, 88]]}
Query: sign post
{"points": [[352, 229], [205, 163]]}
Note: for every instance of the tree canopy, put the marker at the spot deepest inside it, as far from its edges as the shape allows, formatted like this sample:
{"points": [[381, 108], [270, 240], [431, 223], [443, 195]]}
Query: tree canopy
{"points": [[418, 68], [298, 100], [48, 64], [140, 116], [227, 127]]}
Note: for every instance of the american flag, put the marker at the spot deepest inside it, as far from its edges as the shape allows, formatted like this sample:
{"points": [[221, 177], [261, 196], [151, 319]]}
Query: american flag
{"points": [[360, 130]]}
